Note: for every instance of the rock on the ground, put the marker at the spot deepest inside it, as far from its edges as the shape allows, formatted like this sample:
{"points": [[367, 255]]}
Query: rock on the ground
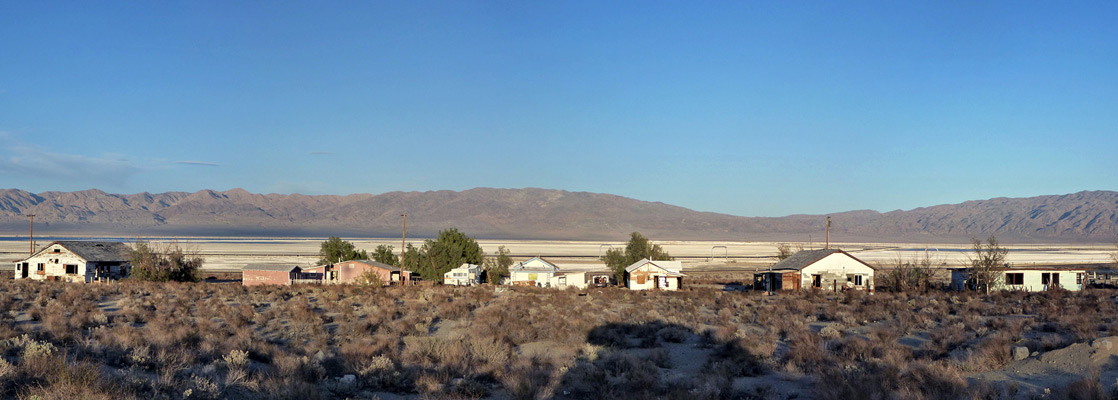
{"points": [[1102, 344], [1020, 353]]}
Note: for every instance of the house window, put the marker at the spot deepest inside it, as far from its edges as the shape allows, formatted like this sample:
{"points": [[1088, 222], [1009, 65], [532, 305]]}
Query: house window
{"points": [[71, 269], [1056, 278], [41, 267], [1079, 279], [1015, 278], [857, 280], [1045, 278], [816, 281], [57, 250]]}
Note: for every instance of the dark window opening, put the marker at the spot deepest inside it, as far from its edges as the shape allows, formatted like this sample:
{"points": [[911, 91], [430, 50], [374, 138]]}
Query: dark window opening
{"points": [[71, 269], [1015, 278], [1045, 278], [816, 281]]}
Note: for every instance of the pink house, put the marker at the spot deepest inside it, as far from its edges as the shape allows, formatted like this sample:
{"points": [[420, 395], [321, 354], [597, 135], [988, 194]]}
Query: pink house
{"points": [[352, 271]]}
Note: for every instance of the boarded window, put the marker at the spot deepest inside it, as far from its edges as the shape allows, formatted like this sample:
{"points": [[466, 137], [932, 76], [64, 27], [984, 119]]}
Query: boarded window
{"points": [[1015, 278], [532, 277]]}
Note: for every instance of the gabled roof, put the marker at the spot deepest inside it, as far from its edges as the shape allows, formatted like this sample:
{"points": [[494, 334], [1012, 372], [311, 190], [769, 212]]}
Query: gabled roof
{"points": [[93, 251], [535, 264], [270, 267], [673, 268], [802, 259]]}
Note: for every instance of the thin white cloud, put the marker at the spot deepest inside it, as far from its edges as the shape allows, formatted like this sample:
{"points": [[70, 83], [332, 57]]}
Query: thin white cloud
{"points": [[199, 163], [35, 162]]}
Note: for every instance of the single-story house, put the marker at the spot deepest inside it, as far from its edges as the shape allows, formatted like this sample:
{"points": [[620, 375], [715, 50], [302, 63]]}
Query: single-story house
{"points": [[270, 274], [826, 269], [1029, 279], [77, 261], [660, 275], [536, 272], [352, 271], [464, 275]]}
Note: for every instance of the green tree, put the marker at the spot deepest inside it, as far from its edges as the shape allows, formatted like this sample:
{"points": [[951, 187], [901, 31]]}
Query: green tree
{"points": [[987, 263], [164, 263], [410, 261], [638, 248], [451, 249], [384, 254], [335, 250], [497, 265]]}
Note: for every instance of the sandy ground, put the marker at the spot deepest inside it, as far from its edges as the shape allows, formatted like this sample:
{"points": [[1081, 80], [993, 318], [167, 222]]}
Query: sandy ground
{"points": [[234, 253], [1058, 368]]}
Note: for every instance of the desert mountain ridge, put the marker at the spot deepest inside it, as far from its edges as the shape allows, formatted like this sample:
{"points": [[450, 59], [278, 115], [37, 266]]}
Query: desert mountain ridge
{"points": [[532, 213]]}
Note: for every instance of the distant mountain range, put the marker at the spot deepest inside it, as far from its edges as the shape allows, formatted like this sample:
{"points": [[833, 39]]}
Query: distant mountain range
{"points": [[539, 214]]}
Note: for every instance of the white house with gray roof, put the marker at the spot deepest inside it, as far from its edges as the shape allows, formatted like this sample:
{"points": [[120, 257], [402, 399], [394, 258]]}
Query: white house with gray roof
{"points": [[77, 261], [826, 269]]}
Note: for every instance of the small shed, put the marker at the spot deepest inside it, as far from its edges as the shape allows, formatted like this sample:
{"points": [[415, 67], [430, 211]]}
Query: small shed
{"points": [[269, 274], [654, 275]]}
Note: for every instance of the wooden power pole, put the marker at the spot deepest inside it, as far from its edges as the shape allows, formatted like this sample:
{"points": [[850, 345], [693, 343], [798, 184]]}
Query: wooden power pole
{"points": [[31, 252], [828, 245], [404, 239]]}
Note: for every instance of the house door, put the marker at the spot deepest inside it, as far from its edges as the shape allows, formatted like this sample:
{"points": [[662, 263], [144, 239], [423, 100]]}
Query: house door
{"points": [[26, 270]]}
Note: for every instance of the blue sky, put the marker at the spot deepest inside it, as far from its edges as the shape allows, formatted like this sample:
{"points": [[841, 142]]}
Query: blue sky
{"points": [[746, 108]]}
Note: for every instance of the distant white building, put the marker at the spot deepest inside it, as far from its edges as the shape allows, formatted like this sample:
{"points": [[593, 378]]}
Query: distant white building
{"points": [[464, 275], [1029, 279], [659, 275], [77, 261]]}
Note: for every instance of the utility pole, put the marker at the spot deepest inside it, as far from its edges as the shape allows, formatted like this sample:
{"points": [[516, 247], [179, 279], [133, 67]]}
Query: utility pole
{"points": [[32, 244], [403, 239], [828, 245]]}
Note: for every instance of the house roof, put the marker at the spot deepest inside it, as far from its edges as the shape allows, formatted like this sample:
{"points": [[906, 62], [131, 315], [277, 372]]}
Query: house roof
{"points": [[522, 266], [807, 257], [671, 267], [93, 251], [271, 267]]}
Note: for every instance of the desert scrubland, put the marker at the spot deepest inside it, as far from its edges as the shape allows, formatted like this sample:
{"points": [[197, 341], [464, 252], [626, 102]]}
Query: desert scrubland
{"points": [[219, 340]]}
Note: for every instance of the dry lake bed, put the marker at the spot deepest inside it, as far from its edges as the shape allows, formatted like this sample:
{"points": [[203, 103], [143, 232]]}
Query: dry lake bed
{"points": [[234, 253]]}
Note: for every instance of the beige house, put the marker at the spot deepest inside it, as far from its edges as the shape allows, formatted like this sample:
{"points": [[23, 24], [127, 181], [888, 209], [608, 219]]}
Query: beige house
{"points": [[77, 261], [654, 275]]}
